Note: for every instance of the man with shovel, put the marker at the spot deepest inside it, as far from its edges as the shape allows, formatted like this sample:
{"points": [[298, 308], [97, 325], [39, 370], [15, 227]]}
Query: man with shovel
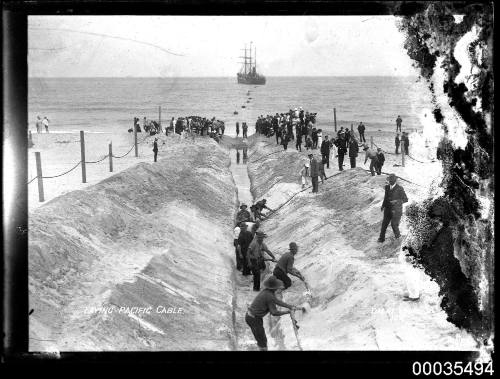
{"points": [[265, 302], [255, 257], [285, 266]]}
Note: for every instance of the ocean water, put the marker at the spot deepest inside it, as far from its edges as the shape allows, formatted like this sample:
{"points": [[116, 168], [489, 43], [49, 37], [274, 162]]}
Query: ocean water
{"points": [[110, 104]]}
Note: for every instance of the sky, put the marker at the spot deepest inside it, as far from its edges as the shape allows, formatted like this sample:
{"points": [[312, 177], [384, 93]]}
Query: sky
{"points": [[197, 46]]}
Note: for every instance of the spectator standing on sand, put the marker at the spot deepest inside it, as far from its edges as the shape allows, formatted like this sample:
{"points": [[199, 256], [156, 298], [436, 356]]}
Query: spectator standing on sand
{"points": [[244, 240], [314, 138], [245, 129], [38, 124], [392, 207], [237, 129], [325, 151], [372, 155], [265, 302], [45, 123], [341, 150], [406, 143], [353, 151], [397, 142], [399, 120], [284, 140], [285, 266], [361, 130], [380, 161], [155, 148], [304, 173], [255, 257], [314, 171], [308, 142], [298, 142], [320, 138]]}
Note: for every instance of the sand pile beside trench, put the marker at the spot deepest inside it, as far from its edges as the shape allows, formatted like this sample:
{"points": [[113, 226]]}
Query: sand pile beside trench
{"points": [[358, 285], [157, 236]]}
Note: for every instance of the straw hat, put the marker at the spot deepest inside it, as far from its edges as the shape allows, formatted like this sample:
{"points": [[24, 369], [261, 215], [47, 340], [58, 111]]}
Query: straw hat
{"points": [[273, 283]]}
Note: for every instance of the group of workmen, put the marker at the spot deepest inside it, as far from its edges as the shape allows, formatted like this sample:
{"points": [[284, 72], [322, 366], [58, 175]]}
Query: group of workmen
{"points": [[249, 249]]}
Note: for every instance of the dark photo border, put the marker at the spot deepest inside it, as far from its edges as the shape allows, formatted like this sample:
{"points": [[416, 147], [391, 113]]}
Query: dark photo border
{"points": [[15, 241]]}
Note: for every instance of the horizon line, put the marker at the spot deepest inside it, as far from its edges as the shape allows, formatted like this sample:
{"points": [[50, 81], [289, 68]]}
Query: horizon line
{"points": [[218, 77]]}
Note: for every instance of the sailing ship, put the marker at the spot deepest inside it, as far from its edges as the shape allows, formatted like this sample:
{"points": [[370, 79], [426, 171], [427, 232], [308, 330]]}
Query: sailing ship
{"points": [[248, 73]]}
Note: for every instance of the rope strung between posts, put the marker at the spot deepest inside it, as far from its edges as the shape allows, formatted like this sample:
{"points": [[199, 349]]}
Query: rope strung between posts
{"points": [[32, 179], [128, 152], [64, 173], [100, 160]]}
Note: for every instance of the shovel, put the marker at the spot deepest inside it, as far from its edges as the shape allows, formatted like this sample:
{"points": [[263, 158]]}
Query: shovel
{"points": [[295, 328]]}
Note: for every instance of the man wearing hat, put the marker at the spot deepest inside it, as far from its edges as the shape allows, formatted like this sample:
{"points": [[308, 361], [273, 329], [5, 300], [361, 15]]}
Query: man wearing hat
{"points": [[244, 240], [265, 302], [369, 153], [314, 171], [255, 257], [243, 214], [392, 207], [285, 266]]}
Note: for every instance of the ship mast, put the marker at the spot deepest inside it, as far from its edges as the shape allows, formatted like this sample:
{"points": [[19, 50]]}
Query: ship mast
{"points": [[251, 69]]}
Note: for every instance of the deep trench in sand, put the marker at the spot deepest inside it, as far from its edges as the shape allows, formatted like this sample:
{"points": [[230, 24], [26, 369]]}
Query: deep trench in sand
{"points": [[114, 245]]}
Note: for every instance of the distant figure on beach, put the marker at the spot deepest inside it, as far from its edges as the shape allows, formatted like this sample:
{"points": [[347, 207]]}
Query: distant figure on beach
{"points": [[39, 124], [392, 206], [321, 168], [361, 130], [298, 142], [172, 124], [155, 148], [325, 151], [341, 143], [245, 129], [245, 156], [397, 142], [353, 151], [406, 142], [237, 157], [304, 173], [372, 155], [284, 140], [399, 120], [237, 129], [380, 161], [314, 172], [45, 123]]}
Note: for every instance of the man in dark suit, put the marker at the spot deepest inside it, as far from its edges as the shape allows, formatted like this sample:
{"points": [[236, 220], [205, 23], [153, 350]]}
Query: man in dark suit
{"points": [[314, 170], [325, 151], [392, 207]]}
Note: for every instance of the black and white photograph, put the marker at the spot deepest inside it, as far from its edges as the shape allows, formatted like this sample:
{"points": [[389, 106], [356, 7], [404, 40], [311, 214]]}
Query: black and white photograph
{"points": [[259, 182]]}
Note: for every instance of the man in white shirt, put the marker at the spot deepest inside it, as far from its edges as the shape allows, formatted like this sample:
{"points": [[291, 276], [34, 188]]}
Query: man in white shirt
{"points": [[45, 123]]}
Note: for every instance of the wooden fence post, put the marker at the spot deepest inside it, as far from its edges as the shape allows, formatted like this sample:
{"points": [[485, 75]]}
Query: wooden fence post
{"points": [[371, 140], [38, 159], [30, 139], [352, 128], [335, 118], [111, 157], [159, 116], [82, 148], [135, 140]]}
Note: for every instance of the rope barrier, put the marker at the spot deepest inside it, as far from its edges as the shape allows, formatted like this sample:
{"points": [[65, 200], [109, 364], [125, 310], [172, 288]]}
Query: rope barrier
{"points": [[100, 160], [399, 177], [127, 153], [32, 180], [385, 151], [64, 173]]}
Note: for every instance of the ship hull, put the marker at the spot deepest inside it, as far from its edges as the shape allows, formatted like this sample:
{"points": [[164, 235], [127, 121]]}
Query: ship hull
{"points": [[259, 80]]}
